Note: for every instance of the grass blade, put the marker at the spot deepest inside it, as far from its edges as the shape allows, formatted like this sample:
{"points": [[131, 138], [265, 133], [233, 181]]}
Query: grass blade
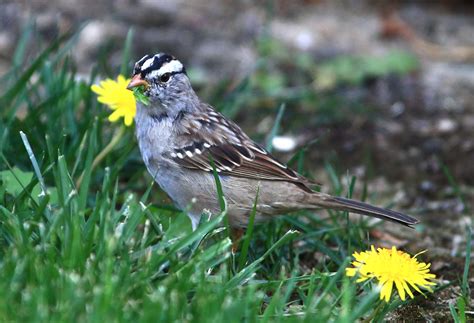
{"points": [[34, 162], [276, 126], [248, 234], [245, 274], [126, 53], [467, 264]]}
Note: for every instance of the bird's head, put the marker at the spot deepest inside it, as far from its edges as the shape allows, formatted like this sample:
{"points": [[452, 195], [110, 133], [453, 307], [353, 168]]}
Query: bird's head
{"points": [[164, 81]]}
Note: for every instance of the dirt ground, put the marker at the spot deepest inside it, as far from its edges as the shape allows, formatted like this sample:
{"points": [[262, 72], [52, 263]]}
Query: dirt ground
{"points": [[418, 139]]}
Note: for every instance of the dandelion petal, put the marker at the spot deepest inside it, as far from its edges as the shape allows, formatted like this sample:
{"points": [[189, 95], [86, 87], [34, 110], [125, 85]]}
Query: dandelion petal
{"points": [[391, 266], [115, 95]]}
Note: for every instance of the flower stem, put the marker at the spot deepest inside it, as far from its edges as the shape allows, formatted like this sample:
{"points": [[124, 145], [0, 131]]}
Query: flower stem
{"points": [[107, 149]]}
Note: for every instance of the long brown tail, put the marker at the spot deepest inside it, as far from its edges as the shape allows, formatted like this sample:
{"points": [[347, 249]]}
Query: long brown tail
{"points": [[340, 203]]}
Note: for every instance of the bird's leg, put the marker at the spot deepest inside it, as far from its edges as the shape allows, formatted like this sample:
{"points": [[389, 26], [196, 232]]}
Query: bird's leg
{"points": [[236, 235]]}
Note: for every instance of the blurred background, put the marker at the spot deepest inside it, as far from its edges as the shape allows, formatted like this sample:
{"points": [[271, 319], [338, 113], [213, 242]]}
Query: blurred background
{"points": [[385, 86], [376, 89]]}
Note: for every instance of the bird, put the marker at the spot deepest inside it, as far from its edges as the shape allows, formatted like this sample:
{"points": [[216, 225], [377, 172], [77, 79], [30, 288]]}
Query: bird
{"points": [[184, 142]]}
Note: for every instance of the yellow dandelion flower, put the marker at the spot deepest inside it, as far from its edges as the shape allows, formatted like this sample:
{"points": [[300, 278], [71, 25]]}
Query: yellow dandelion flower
{"points": [[389, 267], [115, 95]]}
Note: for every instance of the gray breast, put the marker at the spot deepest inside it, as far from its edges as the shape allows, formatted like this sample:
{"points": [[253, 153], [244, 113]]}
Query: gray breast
{"points": [[154, 138]]}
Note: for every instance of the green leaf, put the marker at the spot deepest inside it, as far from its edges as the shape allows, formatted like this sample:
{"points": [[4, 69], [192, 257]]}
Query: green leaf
{"points": [[139, 96], [15, 181]]}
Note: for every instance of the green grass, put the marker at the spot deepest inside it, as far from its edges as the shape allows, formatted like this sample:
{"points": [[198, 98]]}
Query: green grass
{"points": [[112, 249]]}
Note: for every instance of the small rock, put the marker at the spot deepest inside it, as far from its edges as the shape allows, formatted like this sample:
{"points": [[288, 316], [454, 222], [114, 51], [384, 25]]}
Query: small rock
{"points": [[284, 143], [397, 109], [446, 125], [427, 187], [304, 41]]}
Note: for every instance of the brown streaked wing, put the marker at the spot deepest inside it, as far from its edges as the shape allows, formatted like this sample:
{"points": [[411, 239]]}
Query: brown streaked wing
{"points": [[210, 135]]}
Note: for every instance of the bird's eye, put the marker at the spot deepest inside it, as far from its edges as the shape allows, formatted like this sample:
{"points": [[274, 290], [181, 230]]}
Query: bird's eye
{"points": [[165, 77]]}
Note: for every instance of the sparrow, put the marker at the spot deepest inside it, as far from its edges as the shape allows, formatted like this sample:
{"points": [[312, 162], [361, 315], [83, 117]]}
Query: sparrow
{"points": [[182, 140]]}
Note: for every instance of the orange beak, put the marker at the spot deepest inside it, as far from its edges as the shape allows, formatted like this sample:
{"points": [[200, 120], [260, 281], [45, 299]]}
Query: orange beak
{"points": [[137, 81]]}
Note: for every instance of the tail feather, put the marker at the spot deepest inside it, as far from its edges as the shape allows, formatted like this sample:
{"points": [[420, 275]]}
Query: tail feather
{"points": [[367, 209]]}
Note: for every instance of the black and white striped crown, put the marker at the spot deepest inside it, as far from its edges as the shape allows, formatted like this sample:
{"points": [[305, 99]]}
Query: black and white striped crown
{"points": [[158, 65]]}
